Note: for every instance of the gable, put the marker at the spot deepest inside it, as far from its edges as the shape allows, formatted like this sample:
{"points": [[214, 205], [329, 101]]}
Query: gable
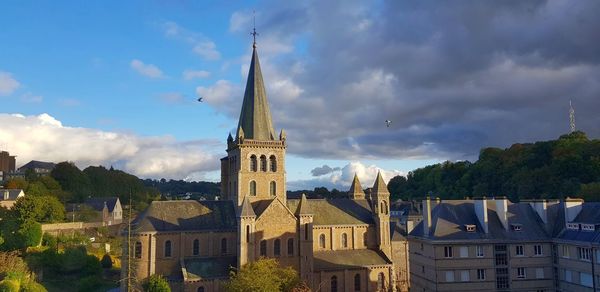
{"points": [[276, 213]]}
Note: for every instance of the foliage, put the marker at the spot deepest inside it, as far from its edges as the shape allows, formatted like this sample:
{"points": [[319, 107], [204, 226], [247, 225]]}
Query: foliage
{"points": [[30, 233], [9, 285], [72, 180], [156, 283], [31, 286], [181, 187], [263, 275], [106, 261], [44, 209], [16, 183], [20, 234], [12, 262], [89, 283], [569, 166]]}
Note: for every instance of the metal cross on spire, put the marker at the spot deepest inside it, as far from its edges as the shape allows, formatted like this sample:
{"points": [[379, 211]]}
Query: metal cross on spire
{"points": [[571, 116], [254, 33]]}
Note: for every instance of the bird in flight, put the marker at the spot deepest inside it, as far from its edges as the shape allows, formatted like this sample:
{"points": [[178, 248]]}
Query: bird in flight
{"points": [[388, 123], [200, 99]]}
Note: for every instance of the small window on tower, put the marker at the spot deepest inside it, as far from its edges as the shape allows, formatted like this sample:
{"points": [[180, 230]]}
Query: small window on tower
{"points": [[273, 162], [263, 163]]}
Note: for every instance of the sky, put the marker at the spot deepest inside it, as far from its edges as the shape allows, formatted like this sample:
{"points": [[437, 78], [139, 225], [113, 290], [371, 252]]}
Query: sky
{"points": [[115, 83]]}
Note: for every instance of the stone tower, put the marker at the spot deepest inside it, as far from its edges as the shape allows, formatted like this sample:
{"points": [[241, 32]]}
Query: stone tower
{"points": [[255, 162], [380, 197], [305, 216], [356, 192], [246, 219]]}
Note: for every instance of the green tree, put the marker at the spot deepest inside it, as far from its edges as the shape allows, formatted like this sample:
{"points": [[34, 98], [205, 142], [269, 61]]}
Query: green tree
{"points": [[156, 283], [29, 233], [263, 275], [36, 189], [72, 180], [44, 209], [16, 183], [397, 187]]}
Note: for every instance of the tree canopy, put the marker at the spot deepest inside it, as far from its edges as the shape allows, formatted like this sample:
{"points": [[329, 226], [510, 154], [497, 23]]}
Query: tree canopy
{"points": [[263, 275]]}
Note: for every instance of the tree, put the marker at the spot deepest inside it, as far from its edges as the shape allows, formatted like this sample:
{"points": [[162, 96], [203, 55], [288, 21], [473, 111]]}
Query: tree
{"points": [[72, 180], [397, 187], [263, 275], [44, 209], [156, 283], [16, 183], [30, 234]]}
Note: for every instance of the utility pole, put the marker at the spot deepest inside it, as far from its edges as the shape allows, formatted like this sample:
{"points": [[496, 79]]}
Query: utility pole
{"points": [[129, 289], [571, 116]]}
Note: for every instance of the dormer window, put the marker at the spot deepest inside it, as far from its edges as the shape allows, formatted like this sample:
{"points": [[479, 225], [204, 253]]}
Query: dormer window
{"points": [[470, 227], [573, 226], [588, 227], [516, 227]]}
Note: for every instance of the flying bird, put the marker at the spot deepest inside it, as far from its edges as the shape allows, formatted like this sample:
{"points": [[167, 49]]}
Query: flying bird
{"points": [[200, 99], [388, 123]]}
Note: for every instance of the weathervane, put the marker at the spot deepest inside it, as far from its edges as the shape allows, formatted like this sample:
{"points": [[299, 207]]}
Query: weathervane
{"points": [[254, 33], [572, 116]]}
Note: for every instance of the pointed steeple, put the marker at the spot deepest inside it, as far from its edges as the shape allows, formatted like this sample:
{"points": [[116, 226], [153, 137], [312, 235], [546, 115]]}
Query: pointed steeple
{"points": [[255, 118], [246, 209], [303, 208], [379, 187], [356, 192]]}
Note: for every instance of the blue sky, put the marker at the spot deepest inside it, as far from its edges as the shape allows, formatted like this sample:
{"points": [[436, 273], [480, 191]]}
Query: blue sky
{"points": [[115, 82]]}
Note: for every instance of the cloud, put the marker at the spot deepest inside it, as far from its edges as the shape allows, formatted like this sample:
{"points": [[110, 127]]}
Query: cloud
{"points": [[8, 84], [207, 50], [48, 139], [193, 74], [223, 95], [341, 178], [147, 70], [201, 45]]}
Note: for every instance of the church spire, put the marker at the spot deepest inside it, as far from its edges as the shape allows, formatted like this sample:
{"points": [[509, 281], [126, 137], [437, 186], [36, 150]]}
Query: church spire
{"points": [[255, 118], [356, 192]]}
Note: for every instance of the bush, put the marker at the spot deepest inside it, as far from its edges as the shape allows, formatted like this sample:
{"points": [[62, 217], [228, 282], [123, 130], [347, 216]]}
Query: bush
{"points": [[88, 284], [8, 285], [49, 240], [11, 262], [106, 261], [157, 283], [31, 286], [30, 233]]}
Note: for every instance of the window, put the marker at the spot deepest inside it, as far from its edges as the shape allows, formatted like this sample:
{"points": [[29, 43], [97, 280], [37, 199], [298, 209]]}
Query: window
{"points": [[253, 163], [464, 276], [521, 273], [502, 278], [322, 241], [167, 248], [137, 252], [380, 282], [223, 246], [333, 284], [196, 247], [537, 249], [273, 162], [273, 188], [447, 251], [565, 251], [277, 247], [539, 273], [252, 188], [247, 233], [519, 250], [480, 274], [479, 251], [501, 259], [365, 239], [422, 269], [584, 253], [344, 240], [306, 231], [470, 227], [200, 289], [464, 252], [449, 276], [357, 282], [290, 246], [568, 276], [263, 248], [585, 279], [263, 163]]}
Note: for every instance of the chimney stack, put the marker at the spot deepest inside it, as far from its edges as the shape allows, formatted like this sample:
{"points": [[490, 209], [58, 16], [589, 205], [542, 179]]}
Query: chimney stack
{"points": [[541, 208], [572, 208], [481, 212], [501, 211], [426, 216]]}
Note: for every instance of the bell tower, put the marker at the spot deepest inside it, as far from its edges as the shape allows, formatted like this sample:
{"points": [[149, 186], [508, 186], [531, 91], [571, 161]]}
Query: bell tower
{"points": [[380, 199]]}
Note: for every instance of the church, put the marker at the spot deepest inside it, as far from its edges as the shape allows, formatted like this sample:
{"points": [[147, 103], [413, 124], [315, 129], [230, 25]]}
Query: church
{"points": [[344, 244]]}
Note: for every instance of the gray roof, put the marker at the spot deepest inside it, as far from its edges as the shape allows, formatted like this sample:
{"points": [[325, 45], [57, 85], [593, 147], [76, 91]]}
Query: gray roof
{"points": [[187, 215], [246, 209], [347, 259], [12, 194], [336, 211], [589, 214], [98, 203], [208, 268], [356, 190], [379, 186], [255, 117], [38, 164]]}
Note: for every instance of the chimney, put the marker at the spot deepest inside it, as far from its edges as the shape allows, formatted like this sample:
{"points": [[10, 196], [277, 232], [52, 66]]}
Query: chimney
{"points": [[541, 208], [501, 211], [481, 212], [410, 225], [6, 197], [426, 216], [572, 208]]}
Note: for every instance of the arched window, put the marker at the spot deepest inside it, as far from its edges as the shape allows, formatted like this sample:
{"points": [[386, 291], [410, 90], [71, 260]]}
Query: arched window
{"points": [[357, 282], [273, 188], [305, 231], [273, 162], [196, 247], [224, 246], [277, 247], [384, 209], [247, 233], [263, 248], [263, 163], [200, 289], [333, 284], [167, 248], [253, 163], [252, 188], [344, 240], [290, 246], [138, 250], [365, 239], [322, 241], [380, 282]]}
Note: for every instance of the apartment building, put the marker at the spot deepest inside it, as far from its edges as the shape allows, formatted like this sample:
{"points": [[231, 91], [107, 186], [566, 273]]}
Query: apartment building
{"points": [[483, 245]]}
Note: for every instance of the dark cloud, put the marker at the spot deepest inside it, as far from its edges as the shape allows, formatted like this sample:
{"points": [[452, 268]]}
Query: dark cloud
{"points": [[453, 76], [323, 170]]}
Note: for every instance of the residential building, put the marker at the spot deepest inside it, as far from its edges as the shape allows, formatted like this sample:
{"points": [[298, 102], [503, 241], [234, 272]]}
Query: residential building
{"points": [[7, 165], [38, 167], [109, 208], [8, 197]]}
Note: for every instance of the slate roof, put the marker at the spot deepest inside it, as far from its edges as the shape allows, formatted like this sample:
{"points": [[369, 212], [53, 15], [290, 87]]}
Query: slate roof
{"points": [[38, 164], [398, 232], [186, 215], [12, 194], [450, 217], [246, 209], [347, 259], [336, 211], [208, 268], [98, 203], [589, 214]]}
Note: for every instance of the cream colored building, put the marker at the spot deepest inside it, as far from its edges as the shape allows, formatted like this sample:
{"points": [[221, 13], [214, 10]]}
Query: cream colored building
{"points": [[335, 244]]}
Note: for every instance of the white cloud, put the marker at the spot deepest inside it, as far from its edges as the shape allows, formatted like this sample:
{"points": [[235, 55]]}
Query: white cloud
{"points": [[239, 21], [48, 139], [201, 45], [192, 74], [7, 84], [207, 50], [223, 95], [147, 70]]}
